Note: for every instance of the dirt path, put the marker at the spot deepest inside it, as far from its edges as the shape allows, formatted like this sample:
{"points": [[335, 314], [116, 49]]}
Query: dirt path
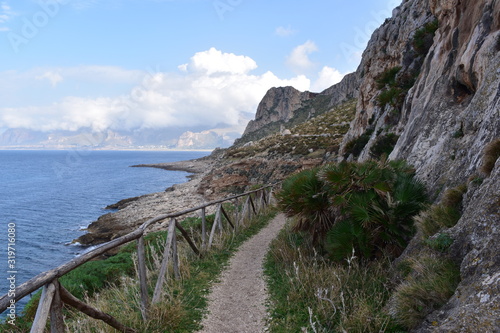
{"points": [[237, 302]]}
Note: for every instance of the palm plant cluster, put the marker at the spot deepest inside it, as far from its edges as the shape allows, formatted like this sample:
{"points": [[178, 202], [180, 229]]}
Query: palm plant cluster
{"points": [[366, 208]]}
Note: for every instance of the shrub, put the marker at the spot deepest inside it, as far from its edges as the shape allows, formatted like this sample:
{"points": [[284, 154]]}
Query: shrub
{"points": [[384, 145], [388, 77], [377, 205], [363, 207], [440, 243], [355, 147], [491, 155], [424, 37], [302, 196]]}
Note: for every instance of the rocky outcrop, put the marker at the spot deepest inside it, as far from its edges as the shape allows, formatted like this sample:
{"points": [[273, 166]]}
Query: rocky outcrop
{"points": [[285, 107], [278, 105], [345, 90]]}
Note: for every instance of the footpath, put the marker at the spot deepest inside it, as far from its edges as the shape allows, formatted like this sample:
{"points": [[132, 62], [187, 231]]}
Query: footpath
{"points": [[237, 302]]}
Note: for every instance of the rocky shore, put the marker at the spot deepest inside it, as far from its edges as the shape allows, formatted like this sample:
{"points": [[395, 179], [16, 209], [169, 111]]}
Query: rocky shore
{"points": [[132, 212]]}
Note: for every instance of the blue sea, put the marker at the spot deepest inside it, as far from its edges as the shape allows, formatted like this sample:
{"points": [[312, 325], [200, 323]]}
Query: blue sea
{"points": [[48, 197]]}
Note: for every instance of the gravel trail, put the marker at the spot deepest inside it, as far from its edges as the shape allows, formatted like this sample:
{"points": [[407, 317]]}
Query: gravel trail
{"points": [[237, 302]]}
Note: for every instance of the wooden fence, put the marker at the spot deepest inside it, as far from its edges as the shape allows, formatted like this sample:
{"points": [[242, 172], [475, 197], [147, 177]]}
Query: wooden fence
{"points": [[54, 294]]}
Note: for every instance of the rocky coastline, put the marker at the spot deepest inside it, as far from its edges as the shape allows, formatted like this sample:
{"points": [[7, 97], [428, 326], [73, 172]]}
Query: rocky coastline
{"points": [[132, 212]]}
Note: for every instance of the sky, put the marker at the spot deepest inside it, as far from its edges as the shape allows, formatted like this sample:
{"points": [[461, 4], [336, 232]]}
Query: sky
{"points": [[139, 64]]}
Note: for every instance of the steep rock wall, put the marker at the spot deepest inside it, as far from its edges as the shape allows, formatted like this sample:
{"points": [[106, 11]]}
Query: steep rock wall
{"points": [[448, 117], [277, 105]]}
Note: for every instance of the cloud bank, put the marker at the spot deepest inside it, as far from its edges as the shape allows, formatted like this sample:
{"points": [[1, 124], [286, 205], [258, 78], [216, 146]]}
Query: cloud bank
{"points": [[213, 88]]}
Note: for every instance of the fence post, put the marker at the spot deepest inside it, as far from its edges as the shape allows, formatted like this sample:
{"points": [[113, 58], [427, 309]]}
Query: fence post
{"points": [[164, 264], [56, 317], [44, 305], [203, 228], [175, 256], [141, 262], [212, 233]]}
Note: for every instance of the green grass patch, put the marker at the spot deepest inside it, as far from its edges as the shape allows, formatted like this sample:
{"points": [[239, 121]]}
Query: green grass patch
{"points": [[310, 293]]}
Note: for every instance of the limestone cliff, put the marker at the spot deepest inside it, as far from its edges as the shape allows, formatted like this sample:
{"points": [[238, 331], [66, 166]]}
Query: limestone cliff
{"points": [[444, 122], [285, 107]]}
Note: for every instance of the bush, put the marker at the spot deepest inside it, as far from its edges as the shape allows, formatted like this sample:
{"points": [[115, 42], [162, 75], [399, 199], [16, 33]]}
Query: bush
{"points": [[363, 207], [440, 243], [384, 145], [393, 97], [424, 37], [377, 203], [302, 196], [355, 147], [387, 78]]}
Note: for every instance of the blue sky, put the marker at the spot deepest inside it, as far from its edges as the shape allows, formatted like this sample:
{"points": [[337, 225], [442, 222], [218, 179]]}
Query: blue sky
{"points": [[125, 64]]}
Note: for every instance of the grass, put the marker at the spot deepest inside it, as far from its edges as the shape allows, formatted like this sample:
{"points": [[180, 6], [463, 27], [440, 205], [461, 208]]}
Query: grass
{"points": [[443, 215], [432, 282], [308, 293], [491, 154]]}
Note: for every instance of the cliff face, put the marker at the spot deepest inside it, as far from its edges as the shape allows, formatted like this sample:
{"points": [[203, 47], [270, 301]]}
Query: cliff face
{"points": [[446, 119], [285, 107], [277, 105]]}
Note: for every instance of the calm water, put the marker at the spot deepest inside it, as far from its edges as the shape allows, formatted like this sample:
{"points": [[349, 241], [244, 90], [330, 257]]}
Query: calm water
{"points": [[51, 195]]}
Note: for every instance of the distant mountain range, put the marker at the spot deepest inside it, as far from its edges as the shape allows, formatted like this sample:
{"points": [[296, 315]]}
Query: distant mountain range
{"points": [[169, 138]]}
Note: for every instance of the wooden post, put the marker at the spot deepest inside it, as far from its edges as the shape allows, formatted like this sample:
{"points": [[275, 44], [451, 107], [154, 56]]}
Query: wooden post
{"points": [[175, 256], [203, 228], [56, 316], [212, 234], [188, 239], [226, 216], [166, 256], [143, 279], [236, 213], [246, 210], [71, 300], [42, 312], [218, 219], [253, 205]]}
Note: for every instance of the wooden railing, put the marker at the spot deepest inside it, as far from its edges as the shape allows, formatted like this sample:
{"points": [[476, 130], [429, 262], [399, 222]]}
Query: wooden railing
{"points": [[54, 294]]}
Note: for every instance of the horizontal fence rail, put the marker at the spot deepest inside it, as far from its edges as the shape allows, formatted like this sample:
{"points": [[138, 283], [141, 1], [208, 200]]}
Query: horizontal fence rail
{"points": [[54, 294]]}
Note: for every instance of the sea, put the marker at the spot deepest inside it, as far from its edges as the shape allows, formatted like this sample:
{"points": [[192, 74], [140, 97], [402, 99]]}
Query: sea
{"points": [[48, 198]]}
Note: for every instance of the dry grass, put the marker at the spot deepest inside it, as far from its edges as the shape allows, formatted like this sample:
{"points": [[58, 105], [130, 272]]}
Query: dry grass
{"points": [[432, 282], [491, 155], [312, 294]]}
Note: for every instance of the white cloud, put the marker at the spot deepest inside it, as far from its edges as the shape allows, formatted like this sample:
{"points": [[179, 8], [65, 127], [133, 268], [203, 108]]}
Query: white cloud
{"points": [[327, 77], [214, 88], [53, 77], [299, 60], [6, 14], [284, 32], [214, 61]]}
